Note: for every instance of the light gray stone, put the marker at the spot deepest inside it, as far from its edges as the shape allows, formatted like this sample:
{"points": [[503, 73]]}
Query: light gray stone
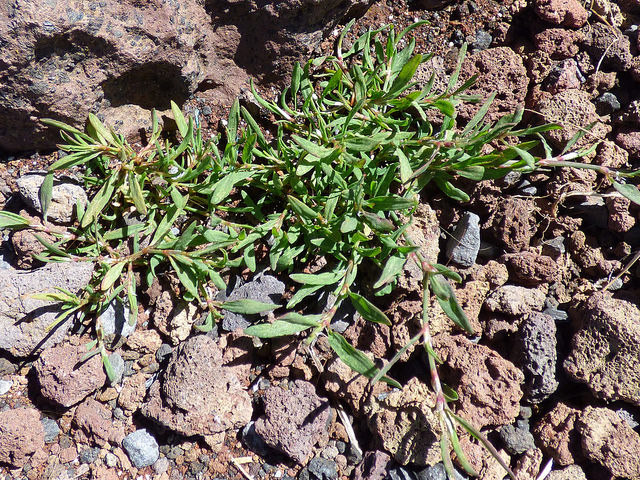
{"points": [[464, 244], [64, 197], [5, 386], [115, 321], [142, 448]]}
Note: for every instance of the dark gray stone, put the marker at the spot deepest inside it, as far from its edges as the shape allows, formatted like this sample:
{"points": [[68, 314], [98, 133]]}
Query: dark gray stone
{"points": [[89, 455], [607, 103], [117, 363], [400, 473], [142, 448], [322, 469], [464, 244], [538, 356], [264, 288], [253, 441], [557, 314], [482, 41], [436, 472], [517, 438], [554, 247], [51, 429], [163, 352]]}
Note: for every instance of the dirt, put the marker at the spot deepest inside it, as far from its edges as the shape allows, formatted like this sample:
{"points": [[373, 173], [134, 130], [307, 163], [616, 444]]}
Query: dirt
{"points": [[550, 241]]}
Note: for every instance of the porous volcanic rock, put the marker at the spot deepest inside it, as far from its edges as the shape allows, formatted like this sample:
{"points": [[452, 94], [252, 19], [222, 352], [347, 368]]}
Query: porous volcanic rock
{"points": [[295, 420], [610, 441], [197, 394], [515, 300], [531, 269], [24, 319], [605, 351], [21, 435], [64, 378], [95, 421], [406, 423], [487, 384], [500, 70], [557, 436], [568, 13]]}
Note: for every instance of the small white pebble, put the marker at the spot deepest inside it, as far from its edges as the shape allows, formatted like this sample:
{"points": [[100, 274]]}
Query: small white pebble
{"points": [[5, 386]]}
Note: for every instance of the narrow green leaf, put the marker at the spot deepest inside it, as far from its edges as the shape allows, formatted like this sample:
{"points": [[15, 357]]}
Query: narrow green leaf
{"points": [[223, 187], [405, 168], [53, 248], [311, 147], [133, 302], [289, 324], [378, 223], [349, 224], [302, 208], [480, 114], [46, 190], [124, 232], [326, 278], [627, 190], [249, 255], [302, 293], [392, 268], [232, 123], [248, 306], [453, 310], [392, 203], [355, 359], [108, 368], [181, 123], [404, 77], [12, 220], [111, 276], [186, 274], [449, 393], [101, 200], [453, 192], [136, 193], [368, 310], [102, 131]]}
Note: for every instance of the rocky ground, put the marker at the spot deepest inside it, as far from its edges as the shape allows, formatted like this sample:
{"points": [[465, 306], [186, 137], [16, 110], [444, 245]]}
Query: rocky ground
{"points": [[546, 259]]}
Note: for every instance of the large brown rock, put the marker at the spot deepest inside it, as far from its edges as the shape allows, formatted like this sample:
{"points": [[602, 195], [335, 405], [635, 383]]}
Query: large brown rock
{"points": [[557, 436], [568, 13], [610, 441], [487, 384], [197, 394], [64, 378], [122, 58], [21, 435], [295, 420], [605, 351]]}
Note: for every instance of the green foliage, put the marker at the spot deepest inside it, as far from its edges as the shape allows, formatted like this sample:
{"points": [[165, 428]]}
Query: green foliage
{"points": [[339, 176]]}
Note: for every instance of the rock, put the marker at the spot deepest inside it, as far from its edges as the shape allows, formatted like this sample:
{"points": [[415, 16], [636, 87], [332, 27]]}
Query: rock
{"points": [[517, 438], [588, 255], [514, 300], [531, 269], [406, 424], [487, 384], [94, 419], [21, 435], [322, 469], [537, 356], [556, 434], [5, 386], [464, 243], [563, 76], [133, 392], [89, 455], [605, 351], [608, 45], [26, 246], [295, 420], [23, 319], [572, 108], [607, 103], [142, 448], [400, 473], [253, 441], [145, 341], [512, 223], [554, 247], [629, 417], [629, 139], [572, 472], [568, 13], [500, 70], [66, 380], [374, 466], [51, 429], [264, 288], [528, 465], [435, 472], [559, 43], [482, 40], [115, 322], [197, 394], [346, 384], [609, 441], [64, 197], [174, 318], [620, 220]]}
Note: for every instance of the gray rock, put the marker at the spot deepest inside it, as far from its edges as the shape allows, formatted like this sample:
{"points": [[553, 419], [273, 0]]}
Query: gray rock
{"points": [[161, 465], [163, 352], [64, 197], [538, 356], [117, 363], [89, 455], [322, 469], [482, 41], [23, 319], [462, 247], [517, 438], [51, 429], [400, 473], [607, 103], [142, 448], [253, 441], [295, 420], [632, 419], [436, 472], [115, 322], [264, 288], [5, 386], [557, 314], [554, 247]]}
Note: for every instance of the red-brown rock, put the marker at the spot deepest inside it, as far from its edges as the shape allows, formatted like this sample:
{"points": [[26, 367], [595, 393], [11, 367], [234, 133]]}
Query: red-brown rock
{"points": [[556, 434], [21, 435], [568, 13]]}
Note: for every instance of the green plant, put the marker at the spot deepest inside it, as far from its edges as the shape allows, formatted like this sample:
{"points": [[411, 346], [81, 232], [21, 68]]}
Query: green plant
{"points": [[338, 175]]}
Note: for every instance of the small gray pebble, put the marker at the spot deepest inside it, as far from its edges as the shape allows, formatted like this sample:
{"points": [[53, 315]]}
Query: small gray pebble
{"points": [[5, 386], [117, 363], [163, 352], [482, 41], [89, 455], [141, 447], [607, 103], [322, 469], [51, 429]]}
